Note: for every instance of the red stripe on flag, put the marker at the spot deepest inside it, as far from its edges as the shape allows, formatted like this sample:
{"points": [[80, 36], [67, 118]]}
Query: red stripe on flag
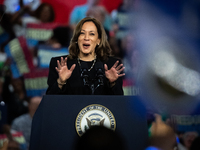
{"points": [[35, 73], [128, 82], [26, 51], [47, 26]]}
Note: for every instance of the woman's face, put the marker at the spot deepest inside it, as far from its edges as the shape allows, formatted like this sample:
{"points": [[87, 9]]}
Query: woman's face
{"points": [[88, 39]]}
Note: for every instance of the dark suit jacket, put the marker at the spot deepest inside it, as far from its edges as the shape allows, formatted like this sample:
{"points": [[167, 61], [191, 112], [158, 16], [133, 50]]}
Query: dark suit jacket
{"points": [[75, 85]]}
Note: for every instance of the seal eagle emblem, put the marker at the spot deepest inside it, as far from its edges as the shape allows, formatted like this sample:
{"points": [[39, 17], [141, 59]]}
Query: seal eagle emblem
{"points": [[92, 115]]}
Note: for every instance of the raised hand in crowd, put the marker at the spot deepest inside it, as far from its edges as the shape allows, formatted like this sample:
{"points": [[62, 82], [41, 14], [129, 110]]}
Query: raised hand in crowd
{"points": [[162, 135]]}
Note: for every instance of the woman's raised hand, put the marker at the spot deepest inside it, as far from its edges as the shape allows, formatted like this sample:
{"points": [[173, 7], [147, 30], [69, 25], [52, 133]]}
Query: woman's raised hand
{"points": [[115, 72], [63, 72]]}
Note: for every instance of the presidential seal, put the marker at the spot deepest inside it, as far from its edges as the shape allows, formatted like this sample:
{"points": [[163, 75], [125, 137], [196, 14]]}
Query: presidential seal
{"points": [[92, 115]]}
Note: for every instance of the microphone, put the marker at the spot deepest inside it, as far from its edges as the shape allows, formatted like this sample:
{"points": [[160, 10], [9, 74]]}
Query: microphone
{"points": [[84, 73], [99, 72]]}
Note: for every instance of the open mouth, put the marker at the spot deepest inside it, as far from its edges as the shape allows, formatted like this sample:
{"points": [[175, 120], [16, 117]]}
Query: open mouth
{"points": [[86, 46]]}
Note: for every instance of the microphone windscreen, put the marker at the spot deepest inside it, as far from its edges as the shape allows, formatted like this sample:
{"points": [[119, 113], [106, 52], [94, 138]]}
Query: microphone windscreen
{"points": [[99, 68], [99, 65]]}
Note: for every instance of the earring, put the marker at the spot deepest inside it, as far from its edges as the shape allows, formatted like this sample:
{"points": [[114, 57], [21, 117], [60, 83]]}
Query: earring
{"points": [[76, 42]]}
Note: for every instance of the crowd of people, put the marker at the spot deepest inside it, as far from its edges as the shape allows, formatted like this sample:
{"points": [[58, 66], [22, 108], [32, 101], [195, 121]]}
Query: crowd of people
{"points": [[19, 99]]}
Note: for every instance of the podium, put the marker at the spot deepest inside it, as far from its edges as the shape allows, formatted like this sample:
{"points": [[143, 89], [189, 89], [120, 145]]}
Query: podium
{"points": [[54, 125]]}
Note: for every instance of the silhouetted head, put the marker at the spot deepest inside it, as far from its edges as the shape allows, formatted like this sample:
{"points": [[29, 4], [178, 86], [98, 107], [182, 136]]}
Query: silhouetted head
{"points": [[62, 35], [195, 144], [100, 138]]}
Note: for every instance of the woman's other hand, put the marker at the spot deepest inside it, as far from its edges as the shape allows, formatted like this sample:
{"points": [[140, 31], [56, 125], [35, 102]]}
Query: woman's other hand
{"points": [[63, 72], [115, 72]]}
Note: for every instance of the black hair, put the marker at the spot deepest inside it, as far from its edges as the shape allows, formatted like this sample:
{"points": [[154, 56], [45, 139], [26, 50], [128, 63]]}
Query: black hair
{"points": [[100, 138], [62, 34]]}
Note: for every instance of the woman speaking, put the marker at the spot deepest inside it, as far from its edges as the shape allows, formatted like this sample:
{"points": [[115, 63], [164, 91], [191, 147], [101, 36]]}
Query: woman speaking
{"points": [[89, 68]]}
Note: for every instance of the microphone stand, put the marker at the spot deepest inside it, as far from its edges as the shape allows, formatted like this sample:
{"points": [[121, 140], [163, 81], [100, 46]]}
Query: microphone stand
{"points": [[100, 83], [92, 88], [99, 76]]}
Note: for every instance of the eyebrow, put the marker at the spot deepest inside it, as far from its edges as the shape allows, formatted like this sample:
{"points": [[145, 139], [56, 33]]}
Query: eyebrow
{"points": [[89, 31]]}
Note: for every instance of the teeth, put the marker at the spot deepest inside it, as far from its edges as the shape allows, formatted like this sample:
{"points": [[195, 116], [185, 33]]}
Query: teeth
{"points": [[86, 46]]}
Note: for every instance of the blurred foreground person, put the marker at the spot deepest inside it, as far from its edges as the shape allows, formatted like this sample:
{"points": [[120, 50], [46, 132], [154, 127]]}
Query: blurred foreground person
{"points": [[162, 136], [100, 138], [23, 122]]}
